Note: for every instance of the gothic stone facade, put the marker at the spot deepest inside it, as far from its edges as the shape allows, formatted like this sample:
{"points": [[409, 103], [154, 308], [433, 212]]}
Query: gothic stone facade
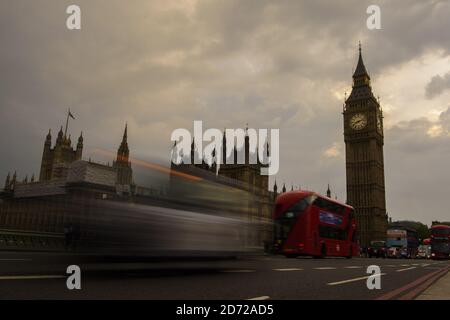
{"points": [[56, 161], [66, 187], [248, 177]]}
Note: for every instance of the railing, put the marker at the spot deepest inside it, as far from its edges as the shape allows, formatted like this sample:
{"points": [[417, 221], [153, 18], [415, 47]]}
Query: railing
{"points": [[30, 240]]}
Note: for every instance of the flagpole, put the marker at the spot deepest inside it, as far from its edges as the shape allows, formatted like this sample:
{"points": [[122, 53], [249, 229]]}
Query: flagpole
{"points": [[67, 123]]}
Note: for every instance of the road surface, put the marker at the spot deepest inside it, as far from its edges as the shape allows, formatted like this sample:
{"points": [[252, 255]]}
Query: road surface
{"points": [[43, 276]]}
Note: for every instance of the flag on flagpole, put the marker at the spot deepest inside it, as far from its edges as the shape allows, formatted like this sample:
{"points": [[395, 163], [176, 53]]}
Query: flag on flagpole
{"points": [[71, 115]]}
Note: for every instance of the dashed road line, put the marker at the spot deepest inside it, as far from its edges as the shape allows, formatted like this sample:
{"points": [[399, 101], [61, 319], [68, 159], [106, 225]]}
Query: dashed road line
{"points": [[31, 277], [288, 269], [351, 280], [238, 271], [14, 259], [260, 298], [400, 270], [353, 267], [325, 268]]}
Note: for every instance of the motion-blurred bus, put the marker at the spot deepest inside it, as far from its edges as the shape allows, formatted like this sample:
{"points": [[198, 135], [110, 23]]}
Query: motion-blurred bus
{"points": [[309, 224], [201, 215]]}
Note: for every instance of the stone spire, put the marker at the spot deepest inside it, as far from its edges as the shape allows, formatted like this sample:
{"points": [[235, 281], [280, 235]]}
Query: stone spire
{"points": [[360, 67], [123, 164], [123, 152], [60, 138], [79, 150], [193, 150], [361, 89], [224, 147], [13, 181], [7, 181], [48, 138]]}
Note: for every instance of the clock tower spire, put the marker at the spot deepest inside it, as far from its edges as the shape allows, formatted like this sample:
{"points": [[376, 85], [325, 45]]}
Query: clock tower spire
{"points": [[364, 141]]}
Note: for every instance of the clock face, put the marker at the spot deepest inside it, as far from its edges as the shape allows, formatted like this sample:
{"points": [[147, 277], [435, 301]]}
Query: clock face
{"points": [[358, 121]]}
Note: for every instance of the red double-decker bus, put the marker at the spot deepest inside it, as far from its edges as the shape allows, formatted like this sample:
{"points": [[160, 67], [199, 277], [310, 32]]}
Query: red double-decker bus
{"points": [[309, 224], [440, 241]]}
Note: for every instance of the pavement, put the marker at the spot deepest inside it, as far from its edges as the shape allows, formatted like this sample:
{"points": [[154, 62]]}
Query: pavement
{"points": [[43, 276], [440, 290]]}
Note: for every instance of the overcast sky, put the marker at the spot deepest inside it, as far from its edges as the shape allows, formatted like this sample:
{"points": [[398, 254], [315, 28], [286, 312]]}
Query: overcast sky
{"points": [[160, 65]]}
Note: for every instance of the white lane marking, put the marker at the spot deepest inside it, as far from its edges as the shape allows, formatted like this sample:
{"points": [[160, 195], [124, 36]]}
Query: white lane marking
{"points": [[351, 280], [425, 264], [14, 259], [400, 270], [353, 267], [414, 264], [31, 277], [260, 298], [325, 268], [389, 265], [238, 271], [288, 269], [404, 265]]}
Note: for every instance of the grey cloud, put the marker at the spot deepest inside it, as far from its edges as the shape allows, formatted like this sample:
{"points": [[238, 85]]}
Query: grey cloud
{"points": [[268, 63], [437, 85], [416, 170], [444, 119]]}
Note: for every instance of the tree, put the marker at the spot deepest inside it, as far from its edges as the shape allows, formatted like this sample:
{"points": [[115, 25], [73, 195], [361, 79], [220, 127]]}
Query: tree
{"points": [[422, 230]]}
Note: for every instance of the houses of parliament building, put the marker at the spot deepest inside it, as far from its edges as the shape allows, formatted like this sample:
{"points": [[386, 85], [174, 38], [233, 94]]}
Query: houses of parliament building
{"points": [[66, 187], [69, 186], [68, 183]]}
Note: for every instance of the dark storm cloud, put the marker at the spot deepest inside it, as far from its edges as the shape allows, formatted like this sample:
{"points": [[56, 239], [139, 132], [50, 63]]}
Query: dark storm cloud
{"points": [[162, 64]]}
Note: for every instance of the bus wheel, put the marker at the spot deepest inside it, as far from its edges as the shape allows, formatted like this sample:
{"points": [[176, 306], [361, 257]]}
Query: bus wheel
{"points": [[291, 256], [350, 253]]}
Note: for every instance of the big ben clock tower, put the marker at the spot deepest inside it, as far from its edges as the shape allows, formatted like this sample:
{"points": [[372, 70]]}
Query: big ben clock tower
{"points": [[363, 132]]}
